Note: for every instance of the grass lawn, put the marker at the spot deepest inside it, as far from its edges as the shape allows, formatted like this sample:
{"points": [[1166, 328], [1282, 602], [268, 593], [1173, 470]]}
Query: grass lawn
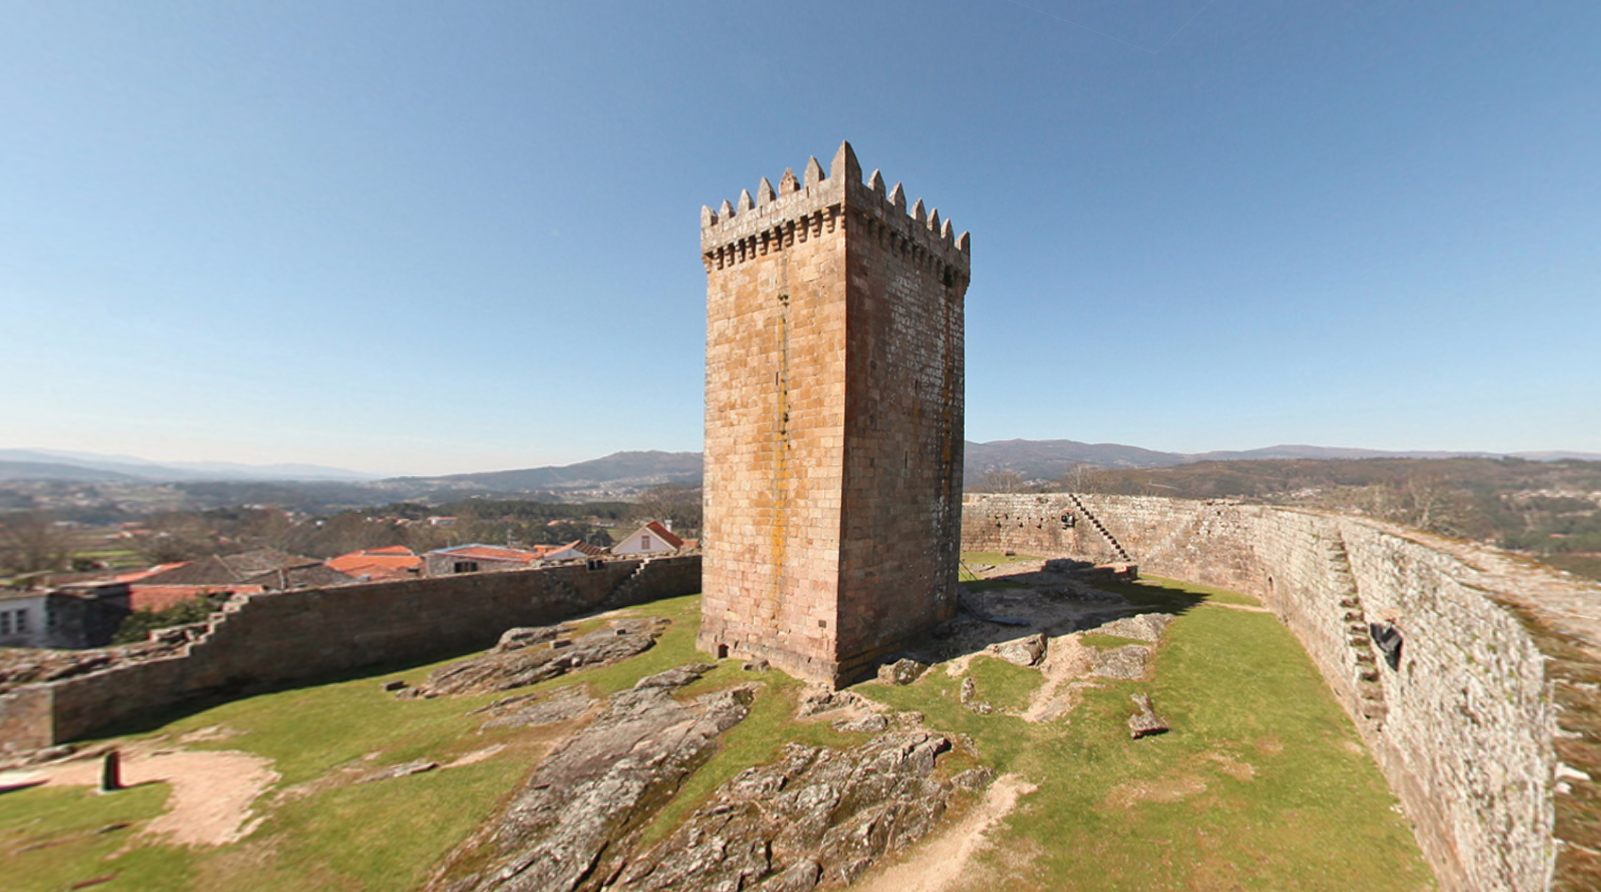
{"points": [[1261, 784]]}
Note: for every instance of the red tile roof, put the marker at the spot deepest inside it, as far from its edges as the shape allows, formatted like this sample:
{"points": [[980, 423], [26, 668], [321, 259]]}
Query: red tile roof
{"points": [[146, 573], [160, 597], [393, 562], [491, 553], [665, 534]]}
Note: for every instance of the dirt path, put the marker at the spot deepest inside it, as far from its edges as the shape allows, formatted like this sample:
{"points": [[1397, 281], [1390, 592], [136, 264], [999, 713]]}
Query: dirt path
{"points": [[212, 791], [939, 864], [1248, 608], [1066, 661]]}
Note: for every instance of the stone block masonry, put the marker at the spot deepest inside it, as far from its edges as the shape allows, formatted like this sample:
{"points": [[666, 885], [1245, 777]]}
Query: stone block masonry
{"points": [[297, 637], [833, 421], [1486, 726]]}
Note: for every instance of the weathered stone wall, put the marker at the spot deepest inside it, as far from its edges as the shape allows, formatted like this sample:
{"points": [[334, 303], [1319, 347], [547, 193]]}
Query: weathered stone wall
{"points": [[833, 421], [285, 637], [1482, 732]]}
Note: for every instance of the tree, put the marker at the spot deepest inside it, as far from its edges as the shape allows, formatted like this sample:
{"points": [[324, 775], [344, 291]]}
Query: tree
{"points": [[1082, 477], [673, 502], [1002, 480], [33, 542]]}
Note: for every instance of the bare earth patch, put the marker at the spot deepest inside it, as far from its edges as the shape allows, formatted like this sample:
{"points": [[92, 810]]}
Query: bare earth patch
{"points": [[212, 791], [939, 864]]}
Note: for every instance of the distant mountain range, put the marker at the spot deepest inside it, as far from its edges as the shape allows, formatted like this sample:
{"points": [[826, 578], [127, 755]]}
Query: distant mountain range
{"points": [[49, 464], [626, 472], [620, 470]]}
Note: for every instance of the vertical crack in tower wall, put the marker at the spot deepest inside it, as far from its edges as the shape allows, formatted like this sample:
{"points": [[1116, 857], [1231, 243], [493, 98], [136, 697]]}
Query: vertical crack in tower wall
{"points": [[833, 421]]}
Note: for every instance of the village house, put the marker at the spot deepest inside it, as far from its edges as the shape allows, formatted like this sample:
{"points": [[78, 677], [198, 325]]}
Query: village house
{"points": [[479, 558], [652, 538], [67, 617], [250, 572], [375, 564]]}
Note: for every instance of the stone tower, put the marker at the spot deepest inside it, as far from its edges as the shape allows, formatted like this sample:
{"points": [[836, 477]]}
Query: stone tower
{"points": [[833, 421]]}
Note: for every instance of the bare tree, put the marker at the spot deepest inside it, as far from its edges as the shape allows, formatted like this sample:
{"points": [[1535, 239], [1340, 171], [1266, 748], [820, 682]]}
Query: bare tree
{"points": [[1082, 477], [1002, 480], [33, 542], [673, 502]]}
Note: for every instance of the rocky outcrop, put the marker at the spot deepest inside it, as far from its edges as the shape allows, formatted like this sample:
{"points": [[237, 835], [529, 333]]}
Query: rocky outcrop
{"points": [[533, 655], [602, 784], [1126, 663], [816, 815], [528, 711]]}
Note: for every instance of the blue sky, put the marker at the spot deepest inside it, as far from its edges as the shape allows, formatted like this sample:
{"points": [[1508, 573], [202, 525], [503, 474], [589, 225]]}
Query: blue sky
{"points": [[435, 237]]}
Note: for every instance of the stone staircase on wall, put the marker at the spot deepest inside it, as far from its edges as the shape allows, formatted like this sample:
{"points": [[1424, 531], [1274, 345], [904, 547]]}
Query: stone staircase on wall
{"points": [[1369, 689], [1117, 547], [625, 589]]}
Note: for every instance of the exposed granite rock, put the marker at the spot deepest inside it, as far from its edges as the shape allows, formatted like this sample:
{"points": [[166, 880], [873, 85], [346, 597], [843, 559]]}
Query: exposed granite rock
{"points": [[584, 800], [872, 723], [528, 663], [675, 677], [1142, 627], [1128, 662], [817, 700], [527, 636], [1021, 651], [527, 711], [816, 815], [405, 769], [970, 697], [1145, 722], [902, 671]]}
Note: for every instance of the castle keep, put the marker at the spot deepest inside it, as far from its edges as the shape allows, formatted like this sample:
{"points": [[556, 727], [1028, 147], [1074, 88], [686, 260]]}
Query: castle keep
{"points": [[833, 421]]}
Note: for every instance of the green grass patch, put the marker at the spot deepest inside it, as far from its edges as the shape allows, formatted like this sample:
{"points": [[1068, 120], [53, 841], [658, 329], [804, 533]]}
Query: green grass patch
{"points": [[53, 838], [1107, 642], [995, 557], [1004, 685], [1262, 784]]}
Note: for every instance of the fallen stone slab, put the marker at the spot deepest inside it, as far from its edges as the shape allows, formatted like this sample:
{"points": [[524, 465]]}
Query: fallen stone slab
{"points": [[526, 664], [1145, 722], [405, 769]]}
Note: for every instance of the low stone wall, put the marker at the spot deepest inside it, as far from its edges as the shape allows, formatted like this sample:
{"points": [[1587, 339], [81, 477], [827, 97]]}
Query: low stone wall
{"points": [[1486, 727], [296, 636]]}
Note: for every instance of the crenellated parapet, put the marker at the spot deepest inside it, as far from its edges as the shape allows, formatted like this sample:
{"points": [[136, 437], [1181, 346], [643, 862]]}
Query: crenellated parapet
{"points": [[803, 209]]}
